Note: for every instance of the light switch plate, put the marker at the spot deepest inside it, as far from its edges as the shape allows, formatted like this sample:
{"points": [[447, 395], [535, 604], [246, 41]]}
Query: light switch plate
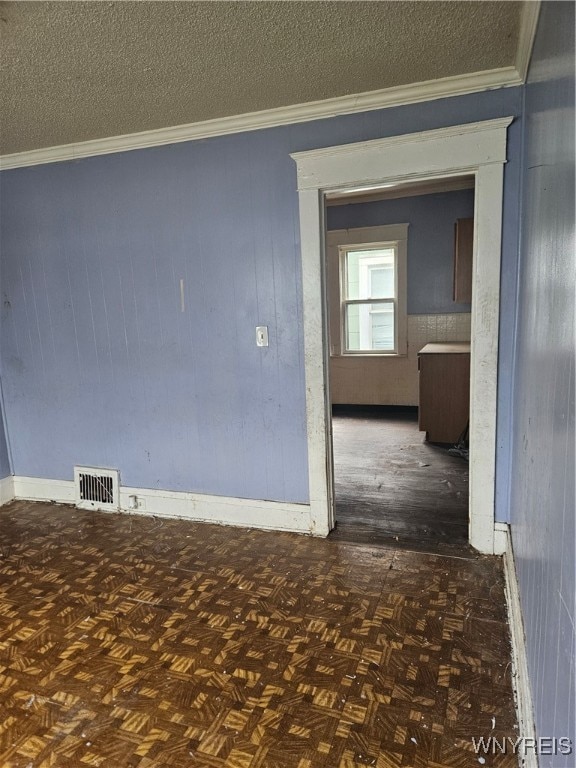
{"points": [[262, 335]]}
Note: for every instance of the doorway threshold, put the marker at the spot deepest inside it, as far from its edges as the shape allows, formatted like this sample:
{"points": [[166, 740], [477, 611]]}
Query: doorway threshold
{"points": [[392, 488]]}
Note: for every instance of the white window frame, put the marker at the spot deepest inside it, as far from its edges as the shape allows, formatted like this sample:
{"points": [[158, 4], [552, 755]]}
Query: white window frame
{"points": [[368, 238]]}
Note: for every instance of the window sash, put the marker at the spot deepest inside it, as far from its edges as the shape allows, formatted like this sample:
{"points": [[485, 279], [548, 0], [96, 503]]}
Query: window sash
{"points": [[346, 302], [357, 278], [364, 349]]}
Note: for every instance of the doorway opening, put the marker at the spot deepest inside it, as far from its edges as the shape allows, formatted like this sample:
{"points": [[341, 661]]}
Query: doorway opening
{"points": [[398, 294], [477, 149]]}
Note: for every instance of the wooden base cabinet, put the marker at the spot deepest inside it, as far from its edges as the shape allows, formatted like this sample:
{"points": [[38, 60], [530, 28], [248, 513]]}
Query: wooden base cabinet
{"points": [[444, 406]]}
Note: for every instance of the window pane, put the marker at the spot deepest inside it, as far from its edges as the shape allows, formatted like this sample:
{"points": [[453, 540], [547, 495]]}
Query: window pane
{"points": [[369, 274], [353, 327], [370, 327], [382, 326], [382, 282]]}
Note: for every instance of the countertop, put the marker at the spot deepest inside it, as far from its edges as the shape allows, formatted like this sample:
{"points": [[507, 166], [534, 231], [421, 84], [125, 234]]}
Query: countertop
{"points": [[446, 348]]}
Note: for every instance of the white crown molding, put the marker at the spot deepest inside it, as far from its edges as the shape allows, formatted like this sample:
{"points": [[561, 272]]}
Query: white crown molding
{"points": [[222, 510], [528, 25], [299, 113]]}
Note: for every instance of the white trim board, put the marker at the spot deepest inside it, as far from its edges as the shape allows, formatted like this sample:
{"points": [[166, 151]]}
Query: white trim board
{"points": [[501, 537], [6, 490], [520, 677], [478, 148], [429, 90], [223, 510]]}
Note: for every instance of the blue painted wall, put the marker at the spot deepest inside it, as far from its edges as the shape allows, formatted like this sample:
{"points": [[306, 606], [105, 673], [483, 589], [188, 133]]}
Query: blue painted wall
{"points": [[542, 489], [5, 469], [100, 364], [4, 459], [430, 241], [103, 367]]}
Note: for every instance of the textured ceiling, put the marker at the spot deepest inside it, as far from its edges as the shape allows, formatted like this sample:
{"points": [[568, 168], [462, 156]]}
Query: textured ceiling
{"points": [[73, 71]]}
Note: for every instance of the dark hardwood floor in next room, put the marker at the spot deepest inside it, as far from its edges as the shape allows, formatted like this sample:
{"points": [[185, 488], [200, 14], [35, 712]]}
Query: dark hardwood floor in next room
{"points": [[392, 488]]}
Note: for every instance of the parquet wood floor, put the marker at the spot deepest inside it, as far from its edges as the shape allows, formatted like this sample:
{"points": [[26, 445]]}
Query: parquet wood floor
{"points": [[392, 488], [136, 642]]}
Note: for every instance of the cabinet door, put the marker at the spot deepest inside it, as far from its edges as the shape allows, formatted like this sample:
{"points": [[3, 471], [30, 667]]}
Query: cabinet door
{"points": [[463, 249], [444, 396]]}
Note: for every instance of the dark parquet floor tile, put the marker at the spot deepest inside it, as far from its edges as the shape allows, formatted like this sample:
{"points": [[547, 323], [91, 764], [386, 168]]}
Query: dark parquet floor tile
{"points": [[130, 641]]}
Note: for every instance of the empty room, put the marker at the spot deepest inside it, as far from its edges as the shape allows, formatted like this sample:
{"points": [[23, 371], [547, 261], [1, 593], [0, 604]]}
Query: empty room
{"points": [[287, 384]]}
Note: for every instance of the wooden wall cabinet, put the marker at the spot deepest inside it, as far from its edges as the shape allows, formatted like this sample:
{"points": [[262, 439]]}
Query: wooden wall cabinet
{"points": [[463, 250], [444, 391]]}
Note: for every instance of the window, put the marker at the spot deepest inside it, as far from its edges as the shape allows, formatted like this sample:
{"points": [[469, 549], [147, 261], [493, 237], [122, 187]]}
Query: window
{"points": [[372, 290], [369, 298]]}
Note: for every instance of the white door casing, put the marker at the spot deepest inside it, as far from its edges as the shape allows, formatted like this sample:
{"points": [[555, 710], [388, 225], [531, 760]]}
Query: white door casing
{"points": [[474, 148]]}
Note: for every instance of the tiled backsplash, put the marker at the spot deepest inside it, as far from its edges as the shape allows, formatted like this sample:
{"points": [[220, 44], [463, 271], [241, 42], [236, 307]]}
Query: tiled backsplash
{"points": [[423, 329], [394, 380]]}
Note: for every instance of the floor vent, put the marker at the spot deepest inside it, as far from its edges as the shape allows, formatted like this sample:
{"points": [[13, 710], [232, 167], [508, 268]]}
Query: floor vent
{"points": [[96, 488]]}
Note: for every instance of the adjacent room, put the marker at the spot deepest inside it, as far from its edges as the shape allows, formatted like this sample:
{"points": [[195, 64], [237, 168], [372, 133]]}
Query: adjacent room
{"points": [[399, 285]]}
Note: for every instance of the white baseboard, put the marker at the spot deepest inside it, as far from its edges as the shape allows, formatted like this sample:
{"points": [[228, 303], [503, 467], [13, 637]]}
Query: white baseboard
{"points": [[41, 489], [272, 515], [224, 510], [6, 490], [520, 678]]}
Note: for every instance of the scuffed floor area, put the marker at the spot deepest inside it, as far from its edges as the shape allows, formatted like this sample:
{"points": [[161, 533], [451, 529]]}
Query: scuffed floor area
{"points": [[140, 642], [392, 487]]}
